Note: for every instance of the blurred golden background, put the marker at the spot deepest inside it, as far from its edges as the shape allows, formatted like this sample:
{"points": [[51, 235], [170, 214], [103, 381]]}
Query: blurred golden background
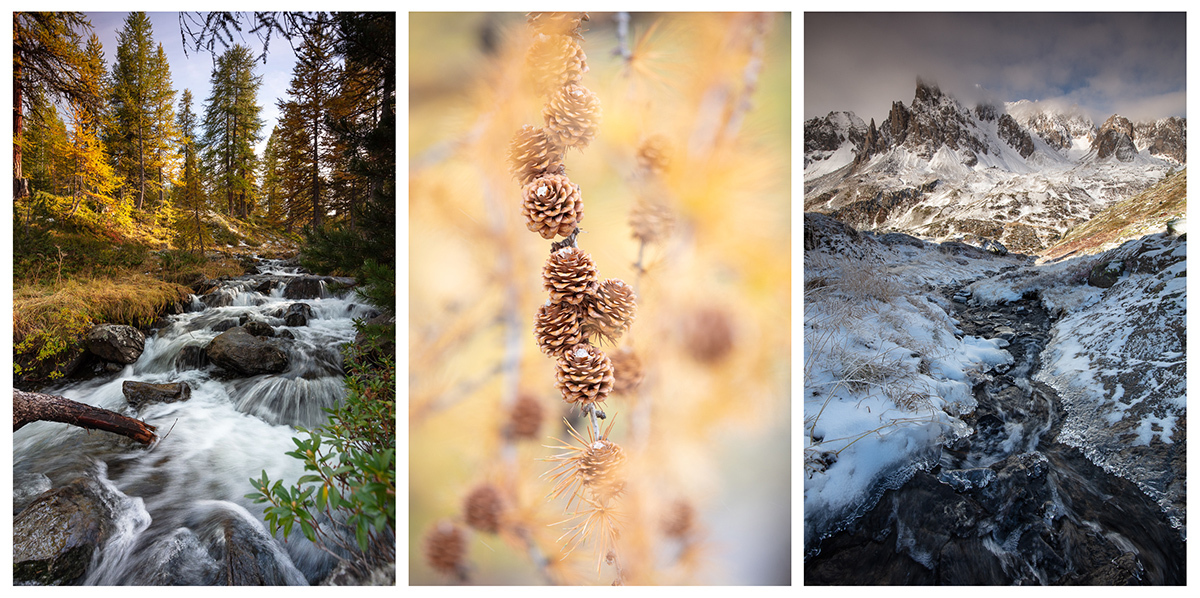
{"points": [[705, 101]]}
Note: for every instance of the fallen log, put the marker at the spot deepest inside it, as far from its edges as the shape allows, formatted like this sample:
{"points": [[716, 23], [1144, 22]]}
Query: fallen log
{"points": [[29, 407]]}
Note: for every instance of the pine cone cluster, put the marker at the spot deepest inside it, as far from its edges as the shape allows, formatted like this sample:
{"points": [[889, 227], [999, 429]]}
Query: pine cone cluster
{"points": [[570, 276], [600, 469], [482, 508], [572, 116], [611, 310], [445, 547], [558, 327], [558, 23], [554, 61], [532, 153], [552, 205], [585, 375]]}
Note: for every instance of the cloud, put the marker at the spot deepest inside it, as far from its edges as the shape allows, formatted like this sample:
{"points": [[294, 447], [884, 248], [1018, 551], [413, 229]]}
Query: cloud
{"points": [[863, 62]]}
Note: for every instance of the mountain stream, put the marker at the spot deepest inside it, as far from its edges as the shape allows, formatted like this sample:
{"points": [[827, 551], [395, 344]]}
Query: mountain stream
{"points": [[1008, 504], [178, 508]]}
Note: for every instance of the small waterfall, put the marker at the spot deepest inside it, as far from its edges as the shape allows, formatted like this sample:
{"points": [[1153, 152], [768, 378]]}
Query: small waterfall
{"points": [[179, 508]]}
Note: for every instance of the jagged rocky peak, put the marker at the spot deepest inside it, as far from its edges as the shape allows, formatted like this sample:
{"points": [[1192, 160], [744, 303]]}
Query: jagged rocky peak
{"points": [[829, 132], [933, 119], [1115, 138], [1165, 137], [1058, 127], [1015, 135]]}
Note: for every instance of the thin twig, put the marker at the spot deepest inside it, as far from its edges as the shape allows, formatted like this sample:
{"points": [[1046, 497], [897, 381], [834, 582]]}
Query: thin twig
{"points": [[622, 49]]}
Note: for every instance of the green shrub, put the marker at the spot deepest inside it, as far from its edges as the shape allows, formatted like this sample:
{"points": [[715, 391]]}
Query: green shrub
{"points": [[347, 504]]}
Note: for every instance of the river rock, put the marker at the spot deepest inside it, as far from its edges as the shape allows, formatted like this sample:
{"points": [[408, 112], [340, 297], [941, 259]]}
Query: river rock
{"points": [[116, 343], [140, 394], [55, 537], [259, 328], [191, 357], [304, 287], [298, 314], [239, 351]]}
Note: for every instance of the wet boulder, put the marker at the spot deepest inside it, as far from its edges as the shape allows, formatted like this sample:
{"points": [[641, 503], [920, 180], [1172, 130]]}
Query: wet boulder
{"points": [[140, 394], [116, 343], [55, 537], [259, 328], [298, 314], [240, 351], [304, 287], [191, 357]]}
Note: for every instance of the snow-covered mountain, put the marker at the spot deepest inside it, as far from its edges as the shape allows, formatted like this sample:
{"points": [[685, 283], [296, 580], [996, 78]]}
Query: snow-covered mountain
{"points": [[1021, 173]]}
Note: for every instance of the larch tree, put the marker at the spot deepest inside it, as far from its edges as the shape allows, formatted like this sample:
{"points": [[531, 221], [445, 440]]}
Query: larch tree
{"points": [[164, 133], [271, 187], [189, 193], [304, 117], [140, 80], [91, 175], [47, 56], [232, 127], [43, 143]]}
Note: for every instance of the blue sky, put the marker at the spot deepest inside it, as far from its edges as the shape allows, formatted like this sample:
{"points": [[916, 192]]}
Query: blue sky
{"points": [[1131, 64], [193, 71]]}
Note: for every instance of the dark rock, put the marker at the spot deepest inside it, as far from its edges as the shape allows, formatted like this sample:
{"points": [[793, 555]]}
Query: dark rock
{"points": [[259, 329], [55, 537], [217, 297], [140, 394], [245, 554], [286, 334], [1115, 138], [1015, 136], [297, 314], [266, 286], [1105, 273], [304, 287], [959, 248], [191, 357], [239, 351], [116, 343], [1168, 138], [224, 325]]}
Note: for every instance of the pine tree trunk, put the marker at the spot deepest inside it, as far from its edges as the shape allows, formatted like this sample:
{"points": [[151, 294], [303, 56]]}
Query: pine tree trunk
{"points": [[29, 407], [20, 183]]}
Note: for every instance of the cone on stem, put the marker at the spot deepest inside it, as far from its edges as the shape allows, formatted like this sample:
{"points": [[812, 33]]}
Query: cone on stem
{"points": [[611, 310], [553, 205], [532, 153], [585, 375], [572, 116], [570, 276]]}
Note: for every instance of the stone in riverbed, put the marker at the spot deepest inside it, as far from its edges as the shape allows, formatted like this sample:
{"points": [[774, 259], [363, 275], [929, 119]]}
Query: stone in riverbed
{"points": [[140, 394], [239, 351], [55, 537], [116, 343]]}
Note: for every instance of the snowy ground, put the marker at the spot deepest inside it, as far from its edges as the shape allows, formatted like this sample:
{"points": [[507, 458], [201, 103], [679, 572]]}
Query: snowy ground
{"points": [[887, 375], [886, 372]]}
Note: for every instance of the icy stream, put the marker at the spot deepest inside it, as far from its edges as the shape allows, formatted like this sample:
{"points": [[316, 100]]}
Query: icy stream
{"points": [[179, 507], [1007, 504]]}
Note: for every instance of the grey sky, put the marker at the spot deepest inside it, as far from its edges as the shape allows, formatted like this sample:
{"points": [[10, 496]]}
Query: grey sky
{"points": [[1131, 64]]}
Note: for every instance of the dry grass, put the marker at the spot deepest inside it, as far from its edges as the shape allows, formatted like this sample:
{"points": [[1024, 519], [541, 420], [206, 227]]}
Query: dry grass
{"points": [[49, 320]]}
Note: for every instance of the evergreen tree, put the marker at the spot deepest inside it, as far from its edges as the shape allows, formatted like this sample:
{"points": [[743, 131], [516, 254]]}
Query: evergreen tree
{"points": [[43, 144], [91, 175], [141, 87], [309, 142], [47, 58], [271, 189], [190, 193], [165, 134], [232, 128]]}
